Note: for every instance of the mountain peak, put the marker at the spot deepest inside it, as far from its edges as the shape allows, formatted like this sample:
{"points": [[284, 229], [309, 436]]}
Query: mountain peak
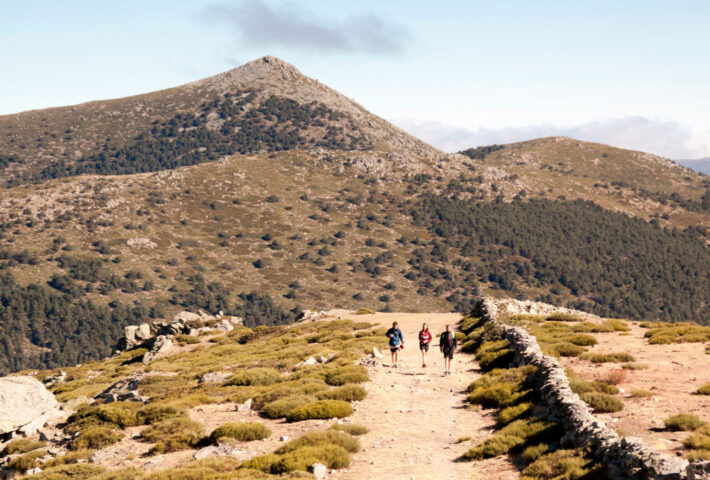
{"points": [[265, 69]]}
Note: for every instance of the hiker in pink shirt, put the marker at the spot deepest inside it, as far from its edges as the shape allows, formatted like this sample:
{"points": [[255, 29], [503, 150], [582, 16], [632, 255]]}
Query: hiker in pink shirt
{"points": [[424, 341]]}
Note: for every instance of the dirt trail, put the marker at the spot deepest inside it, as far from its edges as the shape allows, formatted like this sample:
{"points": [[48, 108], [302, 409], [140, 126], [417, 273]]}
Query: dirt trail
{"points": [[416, 415]]}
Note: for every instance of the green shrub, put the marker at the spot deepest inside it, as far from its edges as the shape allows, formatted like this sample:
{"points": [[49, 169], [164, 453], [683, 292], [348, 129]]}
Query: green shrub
{"points": [[566, 349], [533, 452], [640, 393], [27, 461], [21, 445], [617, 325], [470, 323], [704, 389], [155, 413], [582, 340], [255, 376], [700, 440], [558, 465], [683, 422], [563, 317], [513, 437], [332, 456], [351, 428], [347, 374], [580, 386], [242, 431], [94, 437], [77, 471], [116, 414], [514, 412], [589, 327], [324, 437], [183, 339], [173, 434], [322, 409], [501, 387], [329, 447], [491, 355], [364, 311], [280, 408], [696, 455], [608, 357], [347, 393], [602, 402]]}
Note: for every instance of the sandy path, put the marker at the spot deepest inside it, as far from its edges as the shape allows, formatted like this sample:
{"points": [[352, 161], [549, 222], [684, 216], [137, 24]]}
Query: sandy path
{"points": [[416, 415]]}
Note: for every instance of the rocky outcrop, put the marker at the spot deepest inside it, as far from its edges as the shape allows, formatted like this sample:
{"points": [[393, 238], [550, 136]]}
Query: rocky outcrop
{"points": [[625, 458], [125, 389], [25, 405], [162, 345], [184, 323]]}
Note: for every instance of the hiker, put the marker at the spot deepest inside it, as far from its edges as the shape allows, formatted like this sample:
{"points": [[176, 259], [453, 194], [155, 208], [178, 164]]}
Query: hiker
{"points": [[424, 341], [447, 345], [396, 342]]}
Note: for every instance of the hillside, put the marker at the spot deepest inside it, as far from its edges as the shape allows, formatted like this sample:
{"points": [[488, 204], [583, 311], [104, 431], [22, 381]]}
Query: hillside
{"points": [[267, 224], [318, 399]]}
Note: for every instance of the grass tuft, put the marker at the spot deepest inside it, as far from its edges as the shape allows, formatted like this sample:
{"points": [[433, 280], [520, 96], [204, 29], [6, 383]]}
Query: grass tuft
{"points": [[620, 357], [255, 376], [322, 409], [685, 422], [242, 431], [602, 402]]}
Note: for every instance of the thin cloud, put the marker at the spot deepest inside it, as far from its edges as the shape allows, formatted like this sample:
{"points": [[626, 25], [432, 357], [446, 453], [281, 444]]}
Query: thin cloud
{"points": [[257, 24], [665, 138]]}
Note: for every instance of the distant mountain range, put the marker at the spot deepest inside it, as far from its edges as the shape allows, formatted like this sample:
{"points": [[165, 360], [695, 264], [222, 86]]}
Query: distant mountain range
{"points": [[701, 165]]}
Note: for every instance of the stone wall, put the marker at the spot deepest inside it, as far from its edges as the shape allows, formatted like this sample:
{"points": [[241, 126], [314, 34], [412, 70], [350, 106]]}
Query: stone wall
{"points": [[626, 458]]}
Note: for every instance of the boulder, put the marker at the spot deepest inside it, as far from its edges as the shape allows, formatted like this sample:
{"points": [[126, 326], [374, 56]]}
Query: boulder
{"points": [[25, 402], [319, 471], [244, 407], [186, 317], [309, 362], [224, 325], [162, 345], [376, 353]]}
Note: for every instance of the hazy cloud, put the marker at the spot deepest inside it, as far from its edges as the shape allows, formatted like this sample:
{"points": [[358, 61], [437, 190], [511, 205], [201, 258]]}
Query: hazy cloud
{"points": [[665, 138], [257, 24]]}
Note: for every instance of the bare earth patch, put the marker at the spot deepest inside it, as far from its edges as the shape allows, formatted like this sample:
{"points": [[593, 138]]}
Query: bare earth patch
{"points": [[673, 375]]}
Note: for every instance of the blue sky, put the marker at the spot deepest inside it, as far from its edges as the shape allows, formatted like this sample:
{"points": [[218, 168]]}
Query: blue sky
{"points": [[458, 73]]}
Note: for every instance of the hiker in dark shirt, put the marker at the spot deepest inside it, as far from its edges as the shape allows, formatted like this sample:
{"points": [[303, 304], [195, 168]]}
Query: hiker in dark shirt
{"points": [[396, 342], [447, 345]]}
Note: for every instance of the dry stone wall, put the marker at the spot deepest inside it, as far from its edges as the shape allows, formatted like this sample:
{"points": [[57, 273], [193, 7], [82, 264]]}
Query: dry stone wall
{"points": [[626, 458]]}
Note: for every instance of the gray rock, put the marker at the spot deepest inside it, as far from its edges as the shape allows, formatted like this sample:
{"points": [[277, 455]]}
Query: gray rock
{"points": [[309, 362], [162, 345], [185, 317], [376, 353], [25, 402], [52, 380], [224, 450], [215, 377], [319, 471], [244, 407], [125, 389]]}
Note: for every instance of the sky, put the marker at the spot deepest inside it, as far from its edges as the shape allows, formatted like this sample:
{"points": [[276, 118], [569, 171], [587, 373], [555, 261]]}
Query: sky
{"points": [[634, 74]]}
